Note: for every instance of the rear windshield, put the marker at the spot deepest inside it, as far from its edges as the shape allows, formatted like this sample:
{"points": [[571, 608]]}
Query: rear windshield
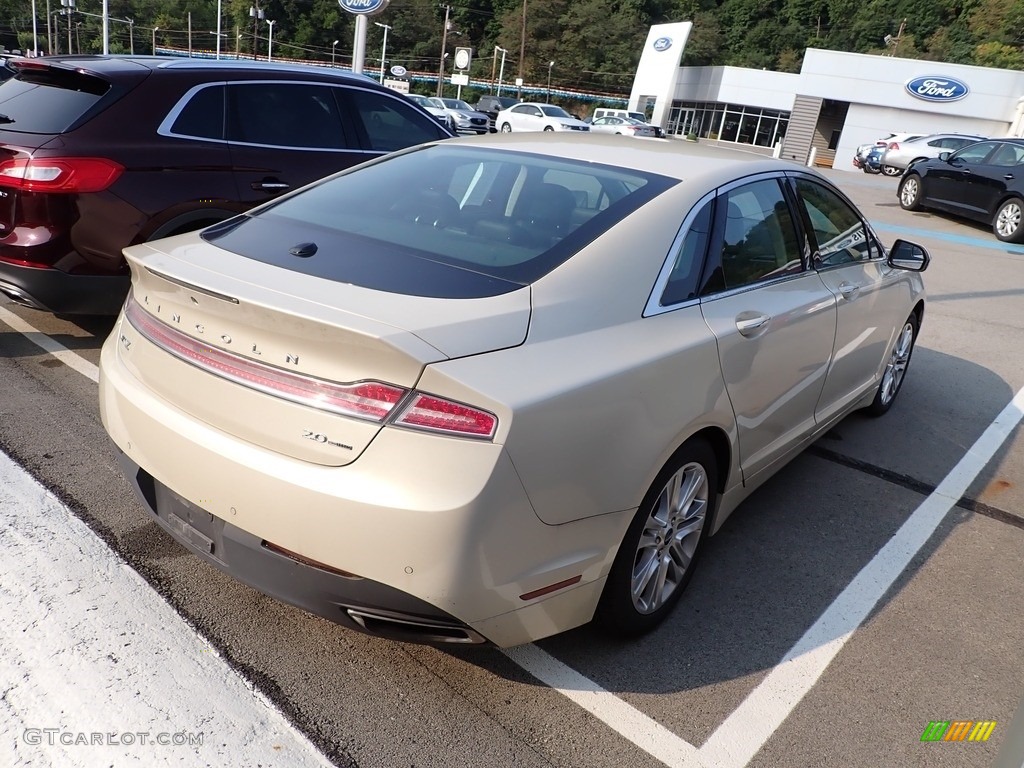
{"points": [[47, 100], [451, 221]]}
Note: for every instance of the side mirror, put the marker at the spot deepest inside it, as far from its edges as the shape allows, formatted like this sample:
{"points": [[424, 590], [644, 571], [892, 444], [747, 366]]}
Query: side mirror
{"points": [[944, 156], [910, 256]]}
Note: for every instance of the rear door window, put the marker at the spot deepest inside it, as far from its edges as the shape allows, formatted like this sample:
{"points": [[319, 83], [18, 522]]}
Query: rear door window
{"points": [[386, 124], [285, 114], [48, 100], [202, 114]]}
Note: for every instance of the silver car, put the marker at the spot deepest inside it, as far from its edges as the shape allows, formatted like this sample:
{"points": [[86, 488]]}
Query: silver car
{"points": [[902, 154], [624, 126], [463, 116], [490, 389]]}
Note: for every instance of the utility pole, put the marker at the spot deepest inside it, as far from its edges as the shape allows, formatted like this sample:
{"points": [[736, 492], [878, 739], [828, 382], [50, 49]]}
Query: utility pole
{"points": [[257, 16], [444, 44], [895, 41], [522, 50]]}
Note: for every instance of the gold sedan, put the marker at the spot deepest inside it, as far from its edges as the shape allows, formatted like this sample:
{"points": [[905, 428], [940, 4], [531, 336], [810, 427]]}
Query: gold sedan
{"points": [[489, 389]]}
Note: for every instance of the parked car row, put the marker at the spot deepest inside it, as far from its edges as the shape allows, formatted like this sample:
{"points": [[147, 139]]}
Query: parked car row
{"points": [[893, 154], [983, 182]]}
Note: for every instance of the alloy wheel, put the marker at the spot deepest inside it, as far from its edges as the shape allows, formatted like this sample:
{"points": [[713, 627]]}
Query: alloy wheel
{"points": [[1008, 220], [669, 538], [897, 365], [909, 192]]}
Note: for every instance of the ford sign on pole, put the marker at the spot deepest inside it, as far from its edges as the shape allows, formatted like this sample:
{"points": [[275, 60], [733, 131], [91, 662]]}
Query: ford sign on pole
{"points": [[935, 88], [362, 9]]}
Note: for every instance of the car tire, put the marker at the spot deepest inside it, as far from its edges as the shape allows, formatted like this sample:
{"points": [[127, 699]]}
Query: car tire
{"points": [[548, 128], [506, 128], [659, 552], [890, 170], [872, 171], [909, 193], [1008, 223], [895, 367]]}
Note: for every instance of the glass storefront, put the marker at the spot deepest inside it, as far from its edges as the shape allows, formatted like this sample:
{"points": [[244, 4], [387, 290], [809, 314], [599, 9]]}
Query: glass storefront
{"points": [[729, 122]]}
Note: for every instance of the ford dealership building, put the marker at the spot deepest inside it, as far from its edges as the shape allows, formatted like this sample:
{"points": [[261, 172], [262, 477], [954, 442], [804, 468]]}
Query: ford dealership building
{"points": [[837, 101]]}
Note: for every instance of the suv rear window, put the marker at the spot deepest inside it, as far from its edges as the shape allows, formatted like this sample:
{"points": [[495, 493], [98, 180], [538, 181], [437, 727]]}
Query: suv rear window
{"points": [[47, 100], [444, 221]]}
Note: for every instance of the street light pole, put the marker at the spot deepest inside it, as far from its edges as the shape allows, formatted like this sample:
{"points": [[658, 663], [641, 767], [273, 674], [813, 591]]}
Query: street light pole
{"points": [[270, 40], [131, 36], [501, 74], [444, 44], [384, 49], [334, 47], [522, 50], [35, 32], [155, 30], [550, 65], [218, 28]]}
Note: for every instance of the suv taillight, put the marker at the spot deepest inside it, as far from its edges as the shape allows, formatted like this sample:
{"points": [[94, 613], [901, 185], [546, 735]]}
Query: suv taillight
{"points": [[64, 174], [894, 145]]}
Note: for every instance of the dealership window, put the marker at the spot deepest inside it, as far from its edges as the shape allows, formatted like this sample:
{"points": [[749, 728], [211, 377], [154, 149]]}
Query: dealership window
{"points": [[729, 122]]}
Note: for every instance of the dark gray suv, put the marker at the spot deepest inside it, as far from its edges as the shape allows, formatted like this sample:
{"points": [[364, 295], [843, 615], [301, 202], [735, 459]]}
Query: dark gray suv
{"points": [[101, 152]]}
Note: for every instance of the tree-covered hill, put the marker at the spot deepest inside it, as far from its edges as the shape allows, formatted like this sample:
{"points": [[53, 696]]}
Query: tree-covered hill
{"points": [[594, 44]]}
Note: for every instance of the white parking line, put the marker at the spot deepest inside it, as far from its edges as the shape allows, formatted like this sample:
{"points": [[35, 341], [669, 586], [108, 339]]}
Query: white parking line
{"points": [[59, 351], [741, 736], [735, 742], [98, 670], [645, 732]]}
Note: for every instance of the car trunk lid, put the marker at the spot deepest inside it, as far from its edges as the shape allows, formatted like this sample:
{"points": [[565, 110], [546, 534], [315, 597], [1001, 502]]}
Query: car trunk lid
{"points": [[300, 365]]}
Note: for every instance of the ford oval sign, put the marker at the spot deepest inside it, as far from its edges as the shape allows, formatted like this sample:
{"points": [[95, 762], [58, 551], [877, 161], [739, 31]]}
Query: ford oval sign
{"points": [[363, 7], [935, 88], [399, 71], [663, 43]]}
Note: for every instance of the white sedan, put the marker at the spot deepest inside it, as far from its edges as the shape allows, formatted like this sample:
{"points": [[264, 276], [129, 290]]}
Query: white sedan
{"points": [[531, 116], [625, 126]]}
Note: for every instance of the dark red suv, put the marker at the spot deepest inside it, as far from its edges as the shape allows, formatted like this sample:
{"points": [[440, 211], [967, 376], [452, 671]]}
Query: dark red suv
{"points": [[101, 152]]}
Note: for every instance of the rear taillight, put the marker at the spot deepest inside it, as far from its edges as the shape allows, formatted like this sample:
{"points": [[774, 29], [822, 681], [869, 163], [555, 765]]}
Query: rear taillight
{"points": [[370, 400], [894, 145], [439, 415], [64, 174]]}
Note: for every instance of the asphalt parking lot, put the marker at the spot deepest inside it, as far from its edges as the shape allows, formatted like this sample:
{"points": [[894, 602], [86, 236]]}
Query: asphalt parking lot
{"points": [[807, 572]]}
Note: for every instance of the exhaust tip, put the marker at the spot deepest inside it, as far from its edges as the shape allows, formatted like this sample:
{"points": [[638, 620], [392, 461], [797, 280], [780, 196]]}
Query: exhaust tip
{"points": [[414, 629]]}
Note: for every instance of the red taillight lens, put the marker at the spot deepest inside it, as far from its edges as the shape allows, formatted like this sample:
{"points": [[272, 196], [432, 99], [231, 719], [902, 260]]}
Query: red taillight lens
{"points": [[370, 400], [65, 174], [894, 145], [438, 415]]}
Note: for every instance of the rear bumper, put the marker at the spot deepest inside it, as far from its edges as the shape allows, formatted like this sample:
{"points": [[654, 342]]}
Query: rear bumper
{"points": [[358, 604], [55, 291], [436, 537]]}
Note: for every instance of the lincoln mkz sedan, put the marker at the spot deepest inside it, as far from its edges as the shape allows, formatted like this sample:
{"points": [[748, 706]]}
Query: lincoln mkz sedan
{"points": [[490, 389]]}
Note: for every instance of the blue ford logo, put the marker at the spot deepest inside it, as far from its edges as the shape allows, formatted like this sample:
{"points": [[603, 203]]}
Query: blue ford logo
{"points": [[935, 88], [363, 7], [663, 43]]}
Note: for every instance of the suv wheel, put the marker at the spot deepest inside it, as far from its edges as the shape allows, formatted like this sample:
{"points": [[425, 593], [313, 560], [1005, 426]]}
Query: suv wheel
{"points": [[506, 128]]}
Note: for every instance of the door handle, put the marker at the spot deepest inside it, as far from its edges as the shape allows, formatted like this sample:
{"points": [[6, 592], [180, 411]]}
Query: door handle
{"points": [[749, 325], [269, 185], [848, 290], [1008, 176]]}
